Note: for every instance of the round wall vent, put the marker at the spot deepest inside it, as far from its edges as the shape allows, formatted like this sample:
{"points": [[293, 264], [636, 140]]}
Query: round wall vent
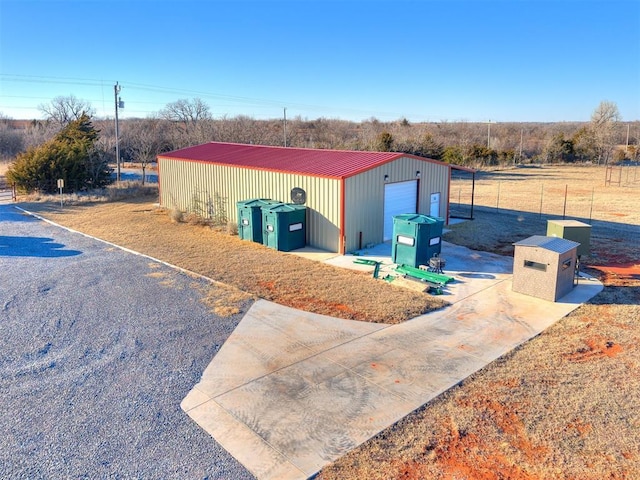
{"points": [[298, 196]]}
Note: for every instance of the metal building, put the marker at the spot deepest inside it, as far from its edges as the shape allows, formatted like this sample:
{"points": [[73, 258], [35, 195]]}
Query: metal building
{"points": [[351, 196]]}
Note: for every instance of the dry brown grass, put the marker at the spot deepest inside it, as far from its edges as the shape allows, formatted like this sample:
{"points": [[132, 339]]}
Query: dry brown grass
{"points": [[249, 267], [543, 190]]}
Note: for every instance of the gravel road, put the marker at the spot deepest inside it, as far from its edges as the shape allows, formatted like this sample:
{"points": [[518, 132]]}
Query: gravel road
{"points": [[97, 349]]}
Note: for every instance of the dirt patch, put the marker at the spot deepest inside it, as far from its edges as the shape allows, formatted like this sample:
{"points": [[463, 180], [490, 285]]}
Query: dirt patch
{"points": [[622, 274], [595, 348]]}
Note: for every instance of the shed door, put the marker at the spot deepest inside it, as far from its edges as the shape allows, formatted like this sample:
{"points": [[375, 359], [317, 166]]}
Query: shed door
{"points": [[434, 210], [399, 198]]}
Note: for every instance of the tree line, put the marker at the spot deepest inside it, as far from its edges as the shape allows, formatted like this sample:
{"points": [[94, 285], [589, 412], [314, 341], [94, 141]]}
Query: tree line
{"points": [[605, 139]]}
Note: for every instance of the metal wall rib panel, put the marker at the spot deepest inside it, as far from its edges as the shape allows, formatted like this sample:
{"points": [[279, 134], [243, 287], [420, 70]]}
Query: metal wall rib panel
{"points": [[364, 197], [187, 184]]}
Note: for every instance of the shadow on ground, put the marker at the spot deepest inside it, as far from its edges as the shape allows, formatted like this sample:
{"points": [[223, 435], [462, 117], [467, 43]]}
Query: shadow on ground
{"points": [[33, 247]]}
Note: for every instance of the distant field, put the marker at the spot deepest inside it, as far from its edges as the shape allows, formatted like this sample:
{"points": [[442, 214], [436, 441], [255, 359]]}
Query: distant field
{"points": [[584, 192]]}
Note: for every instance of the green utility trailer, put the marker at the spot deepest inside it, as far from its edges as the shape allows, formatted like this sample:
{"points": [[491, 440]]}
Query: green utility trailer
{"points": [[424, 275]]}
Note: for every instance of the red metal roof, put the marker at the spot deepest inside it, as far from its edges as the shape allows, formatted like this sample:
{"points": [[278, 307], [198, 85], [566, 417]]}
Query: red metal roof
{"points": [[306, 161]]}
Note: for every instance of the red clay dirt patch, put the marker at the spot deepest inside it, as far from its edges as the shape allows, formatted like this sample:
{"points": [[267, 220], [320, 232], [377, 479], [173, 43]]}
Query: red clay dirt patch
{"points": [[621, 275], [465, 455], [630, 270], [595, 348], [324, 307]]}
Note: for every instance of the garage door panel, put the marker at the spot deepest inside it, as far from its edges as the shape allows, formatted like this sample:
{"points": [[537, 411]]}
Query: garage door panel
{"points": [[399, 198]]}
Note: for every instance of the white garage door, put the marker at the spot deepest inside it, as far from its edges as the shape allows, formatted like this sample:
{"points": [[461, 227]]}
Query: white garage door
{"points": [[399, 198]]}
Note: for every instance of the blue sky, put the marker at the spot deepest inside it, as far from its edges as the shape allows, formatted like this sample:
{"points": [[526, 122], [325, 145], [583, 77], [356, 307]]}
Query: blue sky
{"points": [[430, 60]]}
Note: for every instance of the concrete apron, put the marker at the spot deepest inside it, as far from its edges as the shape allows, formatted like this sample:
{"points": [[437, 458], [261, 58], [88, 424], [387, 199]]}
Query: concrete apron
{"points": [[292, 391]]}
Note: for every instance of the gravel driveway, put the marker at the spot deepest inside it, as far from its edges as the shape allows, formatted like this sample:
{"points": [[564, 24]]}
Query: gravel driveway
{"points": [[98, 347]]}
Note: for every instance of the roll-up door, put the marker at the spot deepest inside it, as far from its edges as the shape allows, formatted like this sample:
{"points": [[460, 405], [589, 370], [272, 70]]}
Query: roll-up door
{"points": [[399, 198]]}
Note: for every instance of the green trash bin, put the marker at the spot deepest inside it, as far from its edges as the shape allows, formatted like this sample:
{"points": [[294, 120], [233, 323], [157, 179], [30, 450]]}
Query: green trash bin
{"points": [[284, 226], [250, 218], [416, 238]]}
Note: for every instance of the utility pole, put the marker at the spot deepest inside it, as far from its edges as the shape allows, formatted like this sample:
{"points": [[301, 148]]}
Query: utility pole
{"points": [[285, 126], [489, 134], [119, 104], [520, 154]]}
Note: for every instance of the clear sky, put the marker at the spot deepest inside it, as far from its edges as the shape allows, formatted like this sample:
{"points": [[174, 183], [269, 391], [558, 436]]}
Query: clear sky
{"points": [[430, 60]]}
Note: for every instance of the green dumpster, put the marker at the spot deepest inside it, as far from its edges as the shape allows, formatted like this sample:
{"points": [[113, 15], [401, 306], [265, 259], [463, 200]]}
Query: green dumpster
{"points": [[416, 238], [284, 226], [250, 218]]}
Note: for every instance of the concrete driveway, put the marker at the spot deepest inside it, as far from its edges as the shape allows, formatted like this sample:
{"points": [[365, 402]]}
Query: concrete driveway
{"points": [[291, 391]]}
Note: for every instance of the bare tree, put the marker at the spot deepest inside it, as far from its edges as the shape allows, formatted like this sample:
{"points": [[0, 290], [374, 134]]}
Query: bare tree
{"points": [[11, 140], [144, 139], [192, 119], [63, 110], [602, 128]]}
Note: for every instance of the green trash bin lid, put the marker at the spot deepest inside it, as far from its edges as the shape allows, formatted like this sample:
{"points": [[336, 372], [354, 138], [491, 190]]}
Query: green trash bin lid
{"points": [[417, 218]]}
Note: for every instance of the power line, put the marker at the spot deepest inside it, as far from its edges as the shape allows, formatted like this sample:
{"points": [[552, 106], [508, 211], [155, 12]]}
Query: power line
{"points": [[235, 99]]}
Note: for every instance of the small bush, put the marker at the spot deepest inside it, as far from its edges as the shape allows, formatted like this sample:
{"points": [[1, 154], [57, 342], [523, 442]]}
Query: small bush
{"points": [[232, 228], [124, 190], [195, 219], [176, 215]]}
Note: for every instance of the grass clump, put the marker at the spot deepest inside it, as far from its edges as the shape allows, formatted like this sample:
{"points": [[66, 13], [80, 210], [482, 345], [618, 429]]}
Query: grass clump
{"points": [[111, 193]]}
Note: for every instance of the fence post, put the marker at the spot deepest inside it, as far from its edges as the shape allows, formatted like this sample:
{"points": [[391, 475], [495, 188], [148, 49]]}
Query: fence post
{"points": [[564, 208], [498, 199], [541, 195], [591, 209], [628, 167]]}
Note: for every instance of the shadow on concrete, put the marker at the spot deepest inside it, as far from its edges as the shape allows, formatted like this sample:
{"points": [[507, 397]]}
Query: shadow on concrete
{"points": [[486, 276], [33, 247]]}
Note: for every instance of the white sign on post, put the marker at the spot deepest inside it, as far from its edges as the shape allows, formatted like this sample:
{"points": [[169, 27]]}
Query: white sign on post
{"points": [[60, 187]]}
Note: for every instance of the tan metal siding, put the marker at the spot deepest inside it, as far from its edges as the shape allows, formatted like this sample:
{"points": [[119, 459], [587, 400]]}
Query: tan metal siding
{"points": [[364, 197], [182, 181]]}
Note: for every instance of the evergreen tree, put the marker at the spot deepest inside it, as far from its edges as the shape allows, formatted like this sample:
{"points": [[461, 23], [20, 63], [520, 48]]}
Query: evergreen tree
{"points": [[384, 142], [71, 155]]}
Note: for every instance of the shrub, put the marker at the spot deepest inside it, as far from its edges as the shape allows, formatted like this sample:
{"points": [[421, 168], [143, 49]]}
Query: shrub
{"points": [[176, 215], [232, 228], [71, 155]]}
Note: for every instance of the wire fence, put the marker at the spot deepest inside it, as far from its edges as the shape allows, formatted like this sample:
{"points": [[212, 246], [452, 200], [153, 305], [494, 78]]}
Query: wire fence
{"points": [[7, 193], [613, 198]]}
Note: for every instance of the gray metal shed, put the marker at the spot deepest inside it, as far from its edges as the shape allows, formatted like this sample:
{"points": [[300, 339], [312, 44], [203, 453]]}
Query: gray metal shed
{"points": [[544, 267]]}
